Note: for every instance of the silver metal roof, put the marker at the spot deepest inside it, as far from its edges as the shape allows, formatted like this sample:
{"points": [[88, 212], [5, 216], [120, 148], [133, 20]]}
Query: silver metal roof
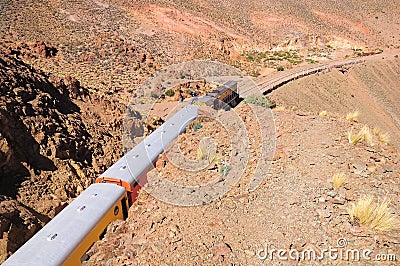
{"points": [[139, 160], [53, 244]]}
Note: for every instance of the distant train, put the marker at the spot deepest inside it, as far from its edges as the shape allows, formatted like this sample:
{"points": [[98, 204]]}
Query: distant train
{"points": [[66, 238], [224, 97]]}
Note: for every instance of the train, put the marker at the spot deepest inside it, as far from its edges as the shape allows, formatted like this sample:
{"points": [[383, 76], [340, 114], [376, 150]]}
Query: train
{"points": [[224, 97], [70, 234]]}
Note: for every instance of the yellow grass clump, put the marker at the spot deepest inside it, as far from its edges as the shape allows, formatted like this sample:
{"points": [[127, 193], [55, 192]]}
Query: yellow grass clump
{"points": [[339, 180], [354, 138], [279, 108], [376, 131], [205, 152], [367, 135], [352, 116], [323, 113], [384, 137], [377, 216], [363, 135]]}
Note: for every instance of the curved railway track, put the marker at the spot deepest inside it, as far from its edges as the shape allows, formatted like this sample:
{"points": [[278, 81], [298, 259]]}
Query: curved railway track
{"points": [[268, 84]]}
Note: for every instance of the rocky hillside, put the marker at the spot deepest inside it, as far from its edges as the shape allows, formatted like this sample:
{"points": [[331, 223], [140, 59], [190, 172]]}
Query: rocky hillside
{"points": [[112, 45], [53, 136]]}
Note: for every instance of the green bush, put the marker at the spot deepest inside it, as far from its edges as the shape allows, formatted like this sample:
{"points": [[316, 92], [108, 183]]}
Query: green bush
{"points": [[170, 92], [260, 101], [196, 127], [294, 61], [311, 61], [225, 170], [153, 95], [280, 68]]}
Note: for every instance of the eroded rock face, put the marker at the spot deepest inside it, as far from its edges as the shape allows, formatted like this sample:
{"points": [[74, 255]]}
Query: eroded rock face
{"points": [[18, 223], [55, 139], [39, 121], [32, 50]]}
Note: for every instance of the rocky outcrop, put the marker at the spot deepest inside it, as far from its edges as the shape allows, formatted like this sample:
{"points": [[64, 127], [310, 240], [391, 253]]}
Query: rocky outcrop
{"points": [[32, 50], [18, 223], [55, 139]]}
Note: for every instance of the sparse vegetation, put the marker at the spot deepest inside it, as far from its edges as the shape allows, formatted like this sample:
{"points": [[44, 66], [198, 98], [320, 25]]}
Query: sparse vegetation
{"points": [[294, 61], [363, 135], [197, 126], [384, 137], [170, 93], [260, 101], [225, 170], [366, 133], [339, 180], [323, 113], [354, 138], [352, 116], [153, 95], [125, 49], [376, 131], [254, 73], [262, 57], [377, 216], [205, 152], [280, 108], [311, 61]]}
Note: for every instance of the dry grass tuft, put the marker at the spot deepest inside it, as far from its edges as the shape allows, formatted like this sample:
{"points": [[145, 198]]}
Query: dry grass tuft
{"points": [[384, 137], [377, 216], [205, 152], [354, 138], [376, 131], [323, 113], [367, 135], [353, 116], [339, 180], [363, 135], [279, 108]]}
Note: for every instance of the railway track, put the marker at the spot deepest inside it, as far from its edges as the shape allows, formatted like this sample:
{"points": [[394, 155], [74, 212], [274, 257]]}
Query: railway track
{"points": [[268, 84]]}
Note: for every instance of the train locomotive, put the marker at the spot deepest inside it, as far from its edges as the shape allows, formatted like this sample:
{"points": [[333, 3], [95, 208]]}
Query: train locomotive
{"points": [[66, 238], [224, 97]]}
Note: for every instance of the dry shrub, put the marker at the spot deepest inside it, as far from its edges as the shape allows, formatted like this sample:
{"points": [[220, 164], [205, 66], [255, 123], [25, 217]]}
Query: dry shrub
{"points": [[323, 113], [377, 216], [279, 108], [376, 131], [352, 116], [384, 137], [339, 180], [363, 135], [205, 152]]}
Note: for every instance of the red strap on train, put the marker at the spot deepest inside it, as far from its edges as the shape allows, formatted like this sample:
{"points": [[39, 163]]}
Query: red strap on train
{"points": [[132, 190]]}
